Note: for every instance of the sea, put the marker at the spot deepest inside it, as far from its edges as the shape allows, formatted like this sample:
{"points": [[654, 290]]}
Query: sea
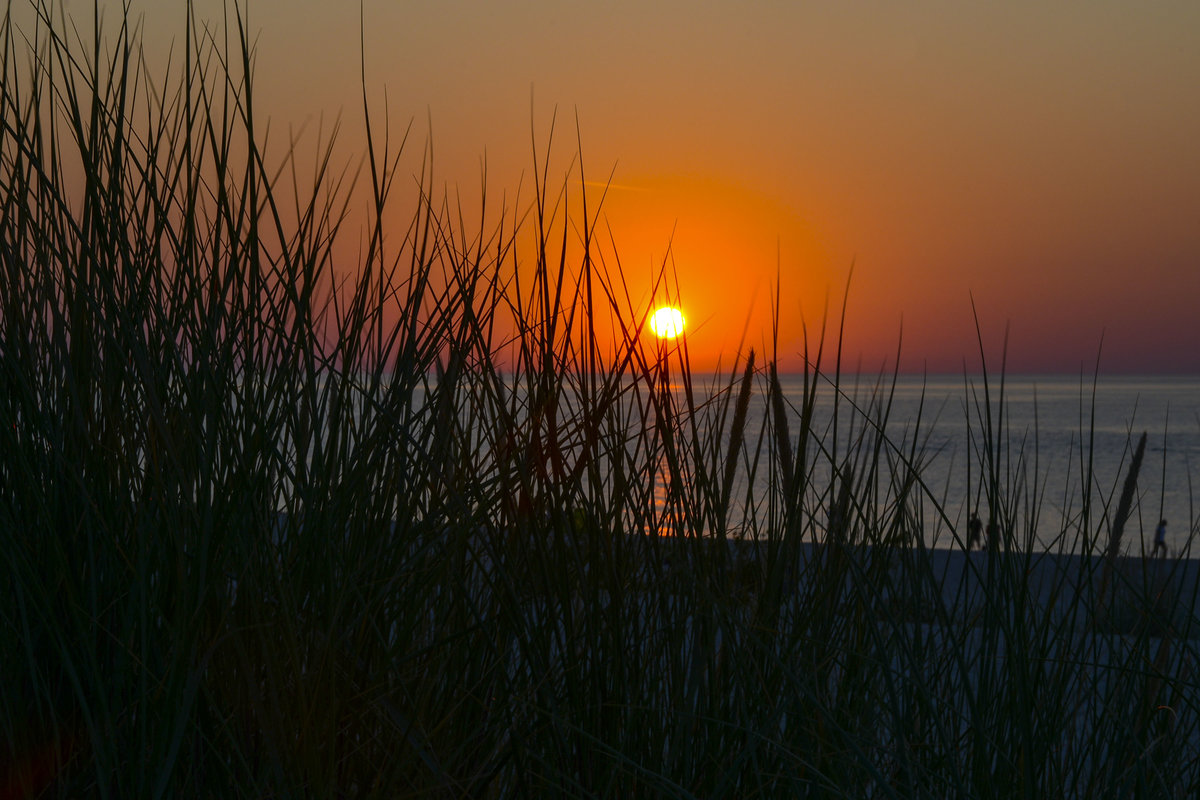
{"points": [[1062, 447]]}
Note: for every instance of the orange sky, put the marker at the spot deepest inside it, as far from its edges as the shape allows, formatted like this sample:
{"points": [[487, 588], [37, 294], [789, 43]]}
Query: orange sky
{"points": [[1039, 157]]}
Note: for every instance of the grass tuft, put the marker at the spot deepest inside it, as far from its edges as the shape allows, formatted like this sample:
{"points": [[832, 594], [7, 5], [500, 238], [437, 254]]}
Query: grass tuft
{"points": [[282, 520]]}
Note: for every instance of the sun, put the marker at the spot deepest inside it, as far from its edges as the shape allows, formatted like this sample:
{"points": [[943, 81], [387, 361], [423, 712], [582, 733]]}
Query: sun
{"points": [[667, 322]]}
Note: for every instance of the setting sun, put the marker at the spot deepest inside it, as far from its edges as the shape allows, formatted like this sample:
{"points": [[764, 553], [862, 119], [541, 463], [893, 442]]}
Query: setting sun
{"points": [[667, 322]]}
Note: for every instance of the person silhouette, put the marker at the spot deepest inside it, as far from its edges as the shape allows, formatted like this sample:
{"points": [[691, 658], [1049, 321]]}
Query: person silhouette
{"points": [[993, 535], [1160, 539], [974, 531]]}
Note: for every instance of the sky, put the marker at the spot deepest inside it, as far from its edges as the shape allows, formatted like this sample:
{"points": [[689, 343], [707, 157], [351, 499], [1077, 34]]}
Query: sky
{"points": [[1025, 170]]}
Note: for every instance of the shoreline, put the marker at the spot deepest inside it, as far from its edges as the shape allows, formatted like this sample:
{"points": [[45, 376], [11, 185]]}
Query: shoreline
{"points": [[1136, 593]]}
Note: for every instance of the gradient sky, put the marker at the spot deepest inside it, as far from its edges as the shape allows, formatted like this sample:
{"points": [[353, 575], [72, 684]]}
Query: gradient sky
{"points": [[1040, 158]]}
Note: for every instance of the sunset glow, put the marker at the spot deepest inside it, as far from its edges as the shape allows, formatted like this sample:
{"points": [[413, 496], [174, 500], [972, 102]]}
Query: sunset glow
{"points": [[1022, 167], [667, 322]]}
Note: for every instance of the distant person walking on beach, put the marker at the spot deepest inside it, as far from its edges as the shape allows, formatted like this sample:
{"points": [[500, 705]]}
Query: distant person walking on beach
{"points": [[974, 531], [1160, 539], [993, 535]]}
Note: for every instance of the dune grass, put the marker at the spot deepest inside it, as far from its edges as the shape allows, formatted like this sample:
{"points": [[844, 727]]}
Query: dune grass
{"points": [[273, 526]]}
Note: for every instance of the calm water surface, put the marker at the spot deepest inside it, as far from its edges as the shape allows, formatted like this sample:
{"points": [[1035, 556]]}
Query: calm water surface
{"points": [[1062, 448], [1048, 432]]}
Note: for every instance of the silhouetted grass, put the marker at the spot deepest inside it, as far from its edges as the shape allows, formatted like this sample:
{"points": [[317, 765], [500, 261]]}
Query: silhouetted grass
{"points": [[276, 526]]}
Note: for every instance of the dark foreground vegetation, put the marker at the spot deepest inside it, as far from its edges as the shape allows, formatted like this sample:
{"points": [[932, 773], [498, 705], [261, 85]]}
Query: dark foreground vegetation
{"points": [[276, 526]]}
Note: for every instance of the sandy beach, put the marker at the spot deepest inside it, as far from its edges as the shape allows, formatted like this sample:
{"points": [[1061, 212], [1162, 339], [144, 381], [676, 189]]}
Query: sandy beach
{"points": [[1132, 594]]}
